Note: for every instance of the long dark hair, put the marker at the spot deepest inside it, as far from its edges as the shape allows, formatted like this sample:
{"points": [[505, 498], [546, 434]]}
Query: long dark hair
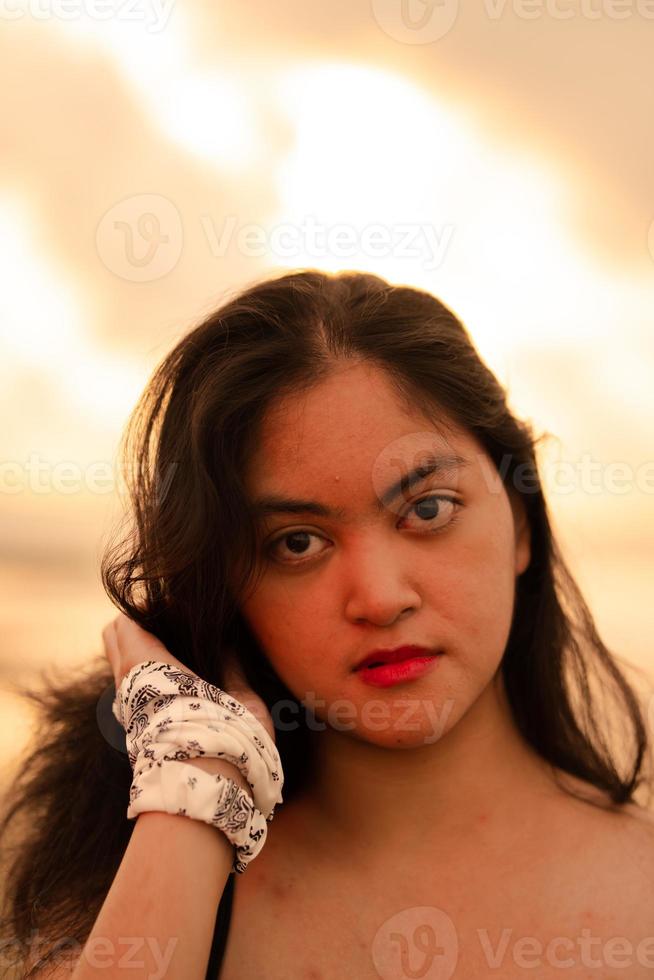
{"points": [[188, 550]]}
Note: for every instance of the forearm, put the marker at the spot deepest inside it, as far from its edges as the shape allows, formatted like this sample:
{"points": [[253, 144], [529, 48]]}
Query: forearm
{"points": [[158, 917]]}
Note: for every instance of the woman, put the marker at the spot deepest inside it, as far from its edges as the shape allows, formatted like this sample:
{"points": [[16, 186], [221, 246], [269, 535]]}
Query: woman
{"points": [[326, 469]]}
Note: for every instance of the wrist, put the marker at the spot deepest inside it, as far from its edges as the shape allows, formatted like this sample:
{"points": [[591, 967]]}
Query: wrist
{"points": [[223, 768]]}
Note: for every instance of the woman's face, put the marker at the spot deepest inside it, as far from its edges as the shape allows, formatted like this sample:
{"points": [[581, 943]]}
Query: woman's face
{"points": [[435, 566]]}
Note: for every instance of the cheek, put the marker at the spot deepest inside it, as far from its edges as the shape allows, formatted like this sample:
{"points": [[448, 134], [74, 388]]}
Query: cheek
{"points": [[285, 634], [476, 592]]}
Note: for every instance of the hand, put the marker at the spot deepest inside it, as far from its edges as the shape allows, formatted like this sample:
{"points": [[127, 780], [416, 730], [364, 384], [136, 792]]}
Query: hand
{"points": [[127, 644], [238, 687]]}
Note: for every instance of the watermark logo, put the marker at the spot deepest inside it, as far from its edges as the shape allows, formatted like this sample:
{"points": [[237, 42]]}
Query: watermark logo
{"points": [[406, 462], [423, 942], [426, 21], [649, 714], [140, 239], [399, 465], [416, 21], [108, 725], [397, 715], [417, 942]]}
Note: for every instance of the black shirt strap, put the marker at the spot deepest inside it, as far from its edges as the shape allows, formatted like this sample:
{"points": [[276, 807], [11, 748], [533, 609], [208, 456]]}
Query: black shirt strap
{"points": [[221, 928]]}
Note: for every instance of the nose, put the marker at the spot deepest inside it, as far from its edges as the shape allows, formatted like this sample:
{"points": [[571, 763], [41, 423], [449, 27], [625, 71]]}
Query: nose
{"points": [[379, 587]]}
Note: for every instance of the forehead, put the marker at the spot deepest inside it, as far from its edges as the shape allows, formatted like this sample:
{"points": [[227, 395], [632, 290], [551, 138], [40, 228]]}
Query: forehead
{"points": [[354, 426]]}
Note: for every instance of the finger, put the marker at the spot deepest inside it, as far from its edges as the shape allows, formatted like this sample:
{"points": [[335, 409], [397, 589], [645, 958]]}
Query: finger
{"points": [[233, 674], [129, 632], [236, 684], [110, 641], [126, 627]]}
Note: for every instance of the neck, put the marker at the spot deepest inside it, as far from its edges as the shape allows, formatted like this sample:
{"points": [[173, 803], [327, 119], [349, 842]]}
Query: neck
{"points": [[476, 782]]}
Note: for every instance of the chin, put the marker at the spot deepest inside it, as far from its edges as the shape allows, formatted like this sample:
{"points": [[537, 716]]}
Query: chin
{"points": [[410, 723]]}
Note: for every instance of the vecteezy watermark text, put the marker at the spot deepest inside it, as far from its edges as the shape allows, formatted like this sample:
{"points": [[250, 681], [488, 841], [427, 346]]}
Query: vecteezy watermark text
{"points": [[397, 715], [426, 21], [42, 476], [99, 952], [374, 715], [419, 241], [585, 475], [423, 941], [154, 14], [141, 239]]}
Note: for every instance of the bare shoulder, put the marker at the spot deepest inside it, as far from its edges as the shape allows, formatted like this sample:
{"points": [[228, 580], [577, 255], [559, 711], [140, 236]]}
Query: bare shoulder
{"points": [[631, 825], [632, 866], [639, 829], [635, 821], [611, 847], [622, 851], [642, 815]]}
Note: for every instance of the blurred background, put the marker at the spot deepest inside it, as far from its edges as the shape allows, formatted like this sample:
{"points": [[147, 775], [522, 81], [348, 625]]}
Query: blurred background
{"points": [[158, 156]]}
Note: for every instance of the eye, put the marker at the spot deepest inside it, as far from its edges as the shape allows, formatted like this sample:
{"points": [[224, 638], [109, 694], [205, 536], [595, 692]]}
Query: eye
{"points": [[430, 509], [298, 544]]}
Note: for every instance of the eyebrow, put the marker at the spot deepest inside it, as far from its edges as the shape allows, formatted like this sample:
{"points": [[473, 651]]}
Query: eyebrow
{"points": [[432, 464]]}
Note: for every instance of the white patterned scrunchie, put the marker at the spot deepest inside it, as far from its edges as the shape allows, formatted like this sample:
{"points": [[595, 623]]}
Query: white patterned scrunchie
{"points": [[170, 715]]}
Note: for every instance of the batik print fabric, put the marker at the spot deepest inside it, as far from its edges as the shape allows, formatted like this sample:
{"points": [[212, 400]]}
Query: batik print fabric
{"points": [[170, 716]]}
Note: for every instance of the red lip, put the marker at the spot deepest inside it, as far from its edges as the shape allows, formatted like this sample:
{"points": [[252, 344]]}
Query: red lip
{"points": [[394, 656]]}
